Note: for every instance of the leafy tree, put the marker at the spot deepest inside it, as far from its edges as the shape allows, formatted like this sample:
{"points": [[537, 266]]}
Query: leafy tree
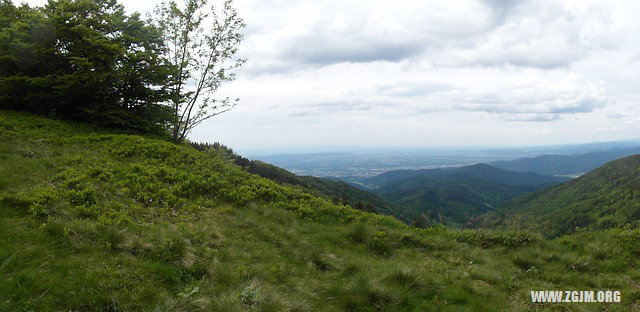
{"points": [[27, 57], [83, 59], [201, 48], [111, 67]]}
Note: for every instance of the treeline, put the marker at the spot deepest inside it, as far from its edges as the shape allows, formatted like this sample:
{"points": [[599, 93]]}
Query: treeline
{"points": [[85, 60], [89, 60]]}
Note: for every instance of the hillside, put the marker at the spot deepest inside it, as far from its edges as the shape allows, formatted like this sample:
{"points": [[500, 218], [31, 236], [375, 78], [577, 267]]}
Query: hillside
{"points": [[451, 202], [479, 172], [93, 220], [567, 165], [607, 197], [453, 195], [335, 190]]}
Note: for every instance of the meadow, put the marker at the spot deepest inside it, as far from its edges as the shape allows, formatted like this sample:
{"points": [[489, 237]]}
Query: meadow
{"points": [[96, 220]]}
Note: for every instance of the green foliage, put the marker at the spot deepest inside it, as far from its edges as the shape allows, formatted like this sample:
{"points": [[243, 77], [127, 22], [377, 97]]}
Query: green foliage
{"points": [[488, 238], [453, 196], [337, 191], [84, 60], [252, 296], [200, 49], [133, 223], [452, 203], [605, 198], [482, 172]]}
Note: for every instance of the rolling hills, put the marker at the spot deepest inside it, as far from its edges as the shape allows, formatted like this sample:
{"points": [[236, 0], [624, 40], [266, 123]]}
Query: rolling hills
{"points": [[453, 195], [566, 165], [607, 197], [452, 203], [478, 171], [96, 220]]}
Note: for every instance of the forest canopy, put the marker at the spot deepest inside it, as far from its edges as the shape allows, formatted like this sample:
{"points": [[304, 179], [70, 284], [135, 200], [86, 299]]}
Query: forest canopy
{"points": [[87, 60]]}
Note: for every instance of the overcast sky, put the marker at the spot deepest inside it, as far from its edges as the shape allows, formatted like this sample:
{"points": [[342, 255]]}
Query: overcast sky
{"points": [[331, 74]]}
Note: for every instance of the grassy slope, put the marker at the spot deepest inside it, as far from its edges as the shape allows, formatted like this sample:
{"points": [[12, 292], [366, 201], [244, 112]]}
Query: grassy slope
{"points": [[337, 191], [607, 197], [97, 221]]}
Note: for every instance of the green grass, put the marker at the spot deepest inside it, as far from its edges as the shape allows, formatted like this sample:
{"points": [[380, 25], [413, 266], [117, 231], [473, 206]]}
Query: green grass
{"points": [[98, 221]]}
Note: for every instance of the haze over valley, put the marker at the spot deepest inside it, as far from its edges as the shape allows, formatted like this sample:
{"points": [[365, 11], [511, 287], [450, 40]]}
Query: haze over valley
{"points": [[354, 165]]}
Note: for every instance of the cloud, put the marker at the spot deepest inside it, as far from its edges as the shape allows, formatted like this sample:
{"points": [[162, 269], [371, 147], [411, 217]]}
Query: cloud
{"points": [[414, 71], [490, 33], [619, 115], [538, 34], [319, 51], [534, 100], [531, 117], [409, 88], [313, 34]]}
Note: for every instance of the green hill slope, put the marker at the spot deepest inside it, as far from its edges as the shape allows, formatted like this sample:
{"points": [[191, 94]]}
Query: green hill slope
{"points": [[478, 172], [337, 191], [452, 202], [607, 197], [454, 195], [98, 221], [565, 164]]}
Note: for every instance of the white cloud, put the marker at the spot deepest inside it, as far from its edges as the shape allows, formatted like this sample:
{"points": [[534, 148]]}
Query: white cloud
{"points": [[415, 73]]}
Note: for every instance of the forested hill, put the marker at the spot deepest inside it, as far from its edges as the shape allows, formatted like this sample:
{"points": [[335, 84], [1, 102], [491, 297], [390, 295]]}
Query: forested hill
{"points": [[607, 197], [92, 220], [479, 172], [568, 165], [426, 201], [453, 196]]}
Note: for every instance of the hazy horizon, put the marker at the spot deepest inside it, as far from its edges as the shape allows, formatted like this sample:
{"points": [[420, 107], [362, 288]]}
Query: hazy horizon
{"points": [[425, 73], [297, 150]]}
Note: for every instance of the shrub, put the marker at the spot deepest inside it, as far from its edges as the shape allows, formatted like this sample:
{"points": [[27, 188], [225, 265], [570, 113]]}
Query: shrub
{"points": [[359, 233], [39, 201], [380, 244], [488, 238], [405, 277]]}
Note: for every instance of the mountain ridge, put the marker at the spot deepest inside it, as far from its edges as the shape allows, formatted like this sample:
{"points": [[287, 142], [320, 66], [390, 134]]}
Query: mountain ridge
{"points": [[453, 195], [478, 171], [607, 197], [556, 164]]}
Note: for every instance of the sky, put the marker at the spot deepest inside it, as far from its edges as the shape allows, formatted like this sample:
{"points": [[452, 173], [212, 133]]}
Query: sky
{"points": [[334, 74]]}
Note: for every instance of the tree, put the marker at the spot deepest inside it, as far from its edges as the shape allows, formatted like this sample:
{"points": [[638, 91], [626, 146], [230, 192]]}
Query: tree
{"points": [[111, 72], [85, 60], [201, 48], [26, 57]]}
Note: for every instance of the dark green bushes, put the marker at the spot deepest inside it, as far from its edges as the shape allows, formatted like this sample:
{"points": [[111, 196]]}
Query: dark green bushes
{"points": [[488, 238]]}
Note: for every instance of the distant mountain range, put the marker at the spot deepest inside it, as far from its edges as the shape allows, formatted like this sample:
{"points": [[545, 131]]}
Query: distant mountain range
{"points": [[355, 164], [453, 195], [479, 171], [605, 198], [567, 165], [475, 195]]}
